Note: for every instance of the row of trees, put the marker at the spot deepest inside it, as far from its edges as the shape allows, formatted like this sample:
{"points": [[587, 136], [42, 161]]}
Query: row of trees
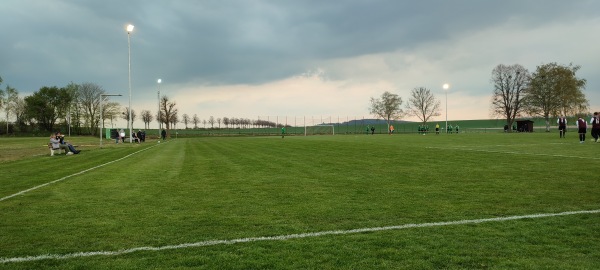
{"points": [[79, 106], [75, 105], [227, 122], [552, 90], [421, 104]]}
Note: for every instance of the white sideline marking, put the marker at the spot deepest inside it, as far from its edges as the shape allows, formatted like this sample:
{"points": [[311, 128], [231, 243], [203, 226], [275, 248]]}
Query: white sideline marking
{"points": [[283, 237], [510, 152], [75, 174]]}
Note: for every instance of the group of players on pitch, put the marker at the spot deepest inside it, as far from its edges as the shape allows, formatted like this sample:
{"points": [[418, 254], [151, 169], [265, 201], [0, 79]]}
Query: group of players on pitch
{"points": [[582, 126]]}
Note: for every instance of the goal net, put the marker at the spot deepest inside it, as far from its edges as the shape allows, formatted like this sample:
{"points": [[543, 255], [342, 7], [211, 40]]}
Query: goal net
{"points": [[319, 130]]}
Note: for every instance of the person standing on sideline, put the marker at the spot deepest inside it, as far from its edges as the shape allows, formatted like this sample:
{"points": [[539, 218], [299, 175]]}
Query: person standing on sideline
{"points": [[595, 122], [391, 129], [582, 129], [367, 131], [373, 130], [122, 135], [562, 125], [163, 134], [437, 128], [456, 127], [282, 131]]}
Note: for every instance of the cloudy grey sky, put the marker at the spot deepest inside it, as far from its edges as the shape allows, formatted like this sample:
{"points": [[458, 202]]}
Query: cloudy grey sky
{"points": [[304, 58]]}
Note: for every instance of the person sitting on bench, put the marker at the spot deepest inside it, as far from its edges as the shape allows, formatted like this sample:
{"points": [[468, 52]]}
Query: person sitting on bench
{"points": [[57, 145], [63, 142]]}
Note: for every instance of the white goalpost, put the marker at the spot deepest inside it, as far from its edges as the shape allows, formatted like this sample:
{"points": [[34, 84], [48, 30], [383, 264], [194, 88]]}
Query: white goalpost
{"points": [[319, 130]]}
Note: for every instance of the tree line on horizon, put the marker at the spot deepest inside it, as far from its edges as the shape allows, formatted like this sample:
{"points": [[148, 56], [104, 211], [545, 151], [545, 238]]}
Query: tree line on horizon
{"points": [[552, 90], [78, 107]]}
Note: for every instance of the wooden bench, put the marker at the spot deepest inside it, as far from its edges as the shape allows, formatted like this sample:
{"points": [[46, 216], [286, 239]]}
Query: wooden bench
{"points": [[54, 149]]}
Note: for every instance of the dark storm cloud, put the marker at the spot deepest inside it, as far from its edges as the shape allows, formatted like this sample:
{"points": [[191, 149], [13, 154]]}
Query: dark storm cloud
{"points": [[231, 42]]}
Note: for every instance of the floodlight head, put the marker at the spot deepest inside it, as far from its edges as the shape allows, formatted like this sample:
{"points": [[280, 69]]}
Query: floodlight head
{"points": [[159, 81], [446, 86], [129, 28]]}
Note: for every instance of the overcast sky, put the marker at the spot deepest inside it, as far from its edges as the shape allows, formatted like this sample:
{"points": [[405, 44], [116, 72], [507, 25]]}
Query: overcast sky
{"points": [[300, 58]]}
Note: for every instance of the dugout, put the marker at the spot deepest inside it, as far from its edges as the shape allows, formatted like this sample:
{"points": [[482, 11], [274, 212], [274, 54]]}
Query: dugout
{"points": [[524, 125]]}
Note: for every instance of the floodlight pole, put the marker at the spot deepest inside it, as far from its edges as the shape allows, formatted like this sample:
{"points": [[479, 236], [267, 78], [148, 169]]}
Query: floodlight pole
{"points": [[159, 114], [446, 86], [102, 112], [129, 29]]}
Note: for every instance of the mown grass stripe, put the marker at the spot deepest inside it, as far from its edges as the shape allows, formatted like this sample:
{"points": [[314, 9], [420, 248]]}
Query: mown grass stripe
{"points": [[75, 174], [512, 152], [287, 237]]}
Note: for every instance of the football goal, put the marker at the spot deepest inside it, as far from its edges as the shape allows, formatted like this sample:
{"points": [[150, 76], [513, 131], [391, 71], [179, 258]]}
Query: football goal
{"points": [[319, 130]]}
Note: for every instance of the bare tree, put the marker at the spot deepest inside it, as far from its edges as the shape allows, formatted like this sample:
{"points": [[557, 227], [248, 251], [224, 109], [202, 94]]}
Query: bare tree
{"points": [[195, 120], [554, 90], [88, 97], [185, 119], [423, 104], [110, 110], [147, 118], [1, 96], [388, 107], [11, 96], [226, 122], [168, 113], [211, 121], [219, 122], [174, 120], [125, 115], [510, 83]]}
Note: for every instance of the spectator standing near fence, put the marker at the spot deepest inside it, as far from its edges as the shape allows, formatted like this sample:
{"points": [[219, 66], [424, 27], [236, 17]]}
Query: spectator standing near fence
{"points": [[391, 129], [581, 129], [163, 134], [562, 125], [122, 135], [282, 132], [595, 122]]}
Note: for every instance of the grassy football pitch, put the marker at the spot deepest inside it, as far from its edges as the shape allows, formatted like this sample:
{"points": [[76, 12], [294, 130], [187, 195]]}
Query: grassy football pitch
{"points": [[404, 201]]}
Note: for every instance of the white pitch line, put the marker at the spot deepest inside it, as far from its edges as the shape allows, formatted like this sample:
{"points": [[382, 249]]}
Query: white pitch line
{"points": [[75, 174], [510, 152], [284, 237]]}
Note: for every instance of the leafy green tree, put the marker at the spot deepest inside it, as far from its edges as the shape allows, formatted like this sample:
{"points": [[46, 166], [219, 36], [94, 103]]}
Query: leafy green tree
{"points": [[510, 83], [20, 113], [423, 104], [47, 105], [387, 107], [554, 90]]}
